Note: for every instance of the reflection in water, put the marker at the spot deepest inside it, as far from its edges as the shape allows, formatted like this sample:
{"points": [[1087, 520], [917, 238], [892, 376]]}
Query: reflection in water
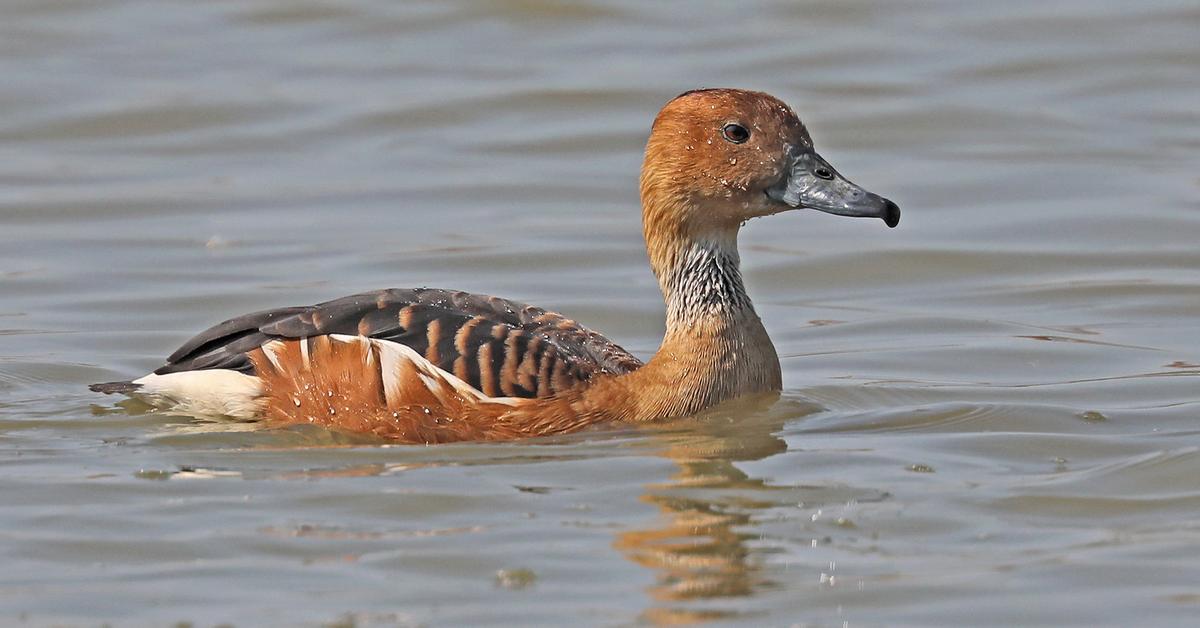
{"points": [[699, 550]]}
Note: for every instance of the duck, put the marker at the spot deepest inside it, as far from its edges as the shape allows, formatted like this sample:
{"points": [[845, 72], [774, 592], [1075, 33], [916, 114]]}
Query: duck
{"points": [[428, 365]]}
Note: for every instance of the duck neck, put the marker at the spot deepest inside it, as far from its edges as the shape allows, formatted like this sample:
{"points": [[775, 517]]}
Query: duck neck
{"points": [[715, 347], [702, 286]]}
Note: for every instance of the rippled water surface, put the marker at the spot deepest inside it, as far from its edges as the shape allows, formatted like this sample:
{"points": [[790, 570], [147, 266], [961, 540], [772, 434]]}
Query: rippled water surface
{"points": [[991, 414]]}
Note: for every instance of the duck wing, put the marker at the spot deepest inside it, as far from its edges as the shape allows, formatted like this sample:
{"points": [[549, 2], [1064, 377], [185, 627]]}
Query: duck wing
{"points": [[501, 347]]}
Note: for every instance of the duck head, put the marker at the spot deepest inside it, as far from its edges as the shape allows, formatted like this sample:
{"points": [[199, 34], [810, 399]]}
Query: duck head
{"points": [[718, 157]]}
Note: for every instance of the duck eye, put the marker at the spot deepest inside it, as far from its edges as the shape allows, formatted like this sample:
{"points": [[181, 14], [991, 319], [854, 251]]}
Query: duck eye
{"points": [[823, 172], [735, 133]]}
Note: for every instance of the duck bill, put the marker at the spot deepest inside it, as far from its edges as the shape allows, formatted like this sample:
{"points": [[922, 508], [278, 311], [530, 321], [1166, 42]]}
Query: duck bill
{"points": [[814, 184]]}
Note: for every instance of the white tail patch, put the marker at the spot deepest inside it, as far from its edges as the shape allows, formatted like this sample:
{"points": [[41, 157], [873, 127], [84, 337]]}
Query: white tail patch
{"points": [[209, 393], [405, 374]]}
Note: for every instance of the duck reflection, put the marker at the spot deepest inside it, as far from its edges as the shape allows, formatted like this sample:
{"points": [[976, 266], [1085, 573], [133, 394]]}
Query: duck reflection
{"points": [[700, 550]]}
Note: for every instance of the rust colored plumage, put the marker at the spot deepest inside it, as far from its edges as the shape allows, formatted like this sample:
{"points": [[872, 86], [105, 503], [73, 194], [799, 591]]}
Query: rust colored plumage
{"points": [[434, 366], [349, 383]]}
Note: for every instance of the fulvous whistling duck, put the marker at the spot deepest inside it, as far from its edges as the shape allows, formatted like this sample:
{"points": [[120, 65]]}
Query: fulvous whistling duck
{"points": [[434, 366]]}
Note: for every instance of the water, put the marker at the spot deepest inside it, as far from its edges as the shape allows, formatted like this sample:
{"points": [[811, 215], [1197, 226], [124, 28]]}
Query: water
{"points": [[991, 414]]}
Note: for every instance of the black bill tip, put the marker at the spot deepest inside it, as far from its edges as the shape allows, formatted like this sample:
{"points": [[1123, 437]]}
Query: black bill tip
{"points": [[891, 213]]}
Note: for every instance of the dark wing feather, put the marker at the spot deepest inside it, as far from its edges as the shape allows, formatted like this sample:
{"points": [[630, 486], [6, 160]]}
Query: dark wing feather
{"points": [[501, 347]]}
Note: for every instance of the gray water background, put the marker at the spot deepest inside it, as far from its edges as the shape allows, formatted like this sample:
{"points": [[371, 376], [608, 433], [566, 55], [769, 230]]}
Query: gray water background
{"points": [[991, 414]]}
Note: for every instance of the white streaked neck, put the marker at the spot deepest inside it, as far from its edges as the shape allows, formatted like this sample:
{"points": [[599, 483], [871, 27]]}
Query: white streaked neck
{"points": [[705, 283]]}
